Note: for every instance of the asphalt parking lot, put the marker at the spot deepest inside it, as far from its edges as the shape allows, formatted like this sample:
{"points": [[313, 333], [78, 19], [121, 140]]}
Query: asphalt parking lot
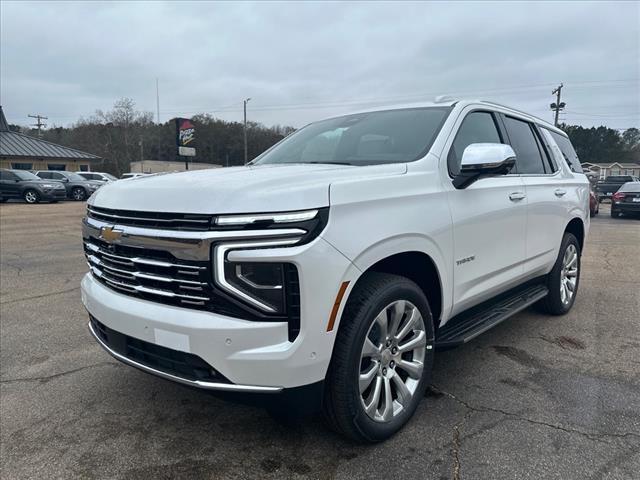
{"points": [[536, 397]]}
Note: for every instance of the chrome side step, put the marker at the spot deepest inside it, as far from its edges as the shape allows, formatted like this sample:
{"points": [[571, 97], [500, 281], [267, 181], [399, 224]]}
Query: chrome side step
{"points": [[468, 325]]}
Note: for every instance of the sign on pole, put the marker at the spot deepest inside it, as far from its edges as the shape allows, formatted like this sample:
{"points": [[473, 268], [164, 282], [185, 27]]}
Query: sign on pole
{"points": [[185, 136]]}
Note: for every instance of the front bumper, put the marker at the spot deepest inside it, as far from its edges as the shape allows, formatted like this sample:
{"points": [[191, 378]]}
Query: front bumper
{"points": [[254, 356], [144, 366]]}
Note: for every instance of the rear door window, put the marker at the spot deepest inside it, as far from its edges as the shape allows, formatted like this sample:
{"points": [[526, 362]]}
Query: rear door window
{"points": [[526, 145], [477, 127]]}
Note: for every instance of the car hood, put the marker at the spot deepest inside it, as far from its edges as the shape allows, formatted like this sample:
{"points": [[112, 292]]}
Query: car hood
{"points": [[249, 189]]}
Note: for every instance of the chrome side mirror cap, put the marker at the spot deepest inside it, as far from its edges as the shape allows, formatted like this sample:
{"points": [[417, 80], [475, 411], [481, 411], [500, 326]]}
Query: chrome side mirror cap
{"points": [[484, 160]]}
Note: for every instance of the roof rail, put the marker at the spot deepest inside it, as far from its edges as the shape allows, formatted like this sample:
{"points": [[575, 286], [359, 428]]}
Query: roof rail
{"points": [[496, 104]]}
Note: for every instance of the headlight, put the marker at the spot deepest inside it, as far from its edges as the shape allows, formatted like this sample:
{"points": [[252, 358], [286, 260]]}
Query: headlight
{"points": [[48, 185], [260, 284], [263, 283]]}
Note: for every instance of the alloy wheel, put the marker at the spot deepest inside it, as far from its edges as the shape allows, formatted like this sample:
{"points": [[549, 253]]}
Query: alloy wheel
{"points": [[569, 274], [31, 197], [78, 194], [392, 360]]}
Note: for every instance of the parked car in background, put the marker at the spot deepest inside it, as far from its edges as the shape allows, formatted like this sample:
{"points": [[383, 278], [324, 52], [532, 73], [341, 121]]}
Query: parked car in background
{"points": [[132, 175], [77, 187], [26, 185], [626, 200], [612, 183], [329, 270], [594, 200], [98, 176]]}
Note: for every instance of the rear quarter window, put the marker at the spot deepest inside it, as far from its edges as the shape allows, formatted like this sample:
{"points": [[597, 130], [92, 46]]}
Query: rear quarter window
{"points": [[569, 154]]}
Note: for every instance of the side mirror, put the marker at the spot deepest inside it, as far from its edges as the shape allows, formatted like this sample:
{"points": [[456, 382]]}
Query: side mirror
{"points": [[65, 179], [484, 160]]}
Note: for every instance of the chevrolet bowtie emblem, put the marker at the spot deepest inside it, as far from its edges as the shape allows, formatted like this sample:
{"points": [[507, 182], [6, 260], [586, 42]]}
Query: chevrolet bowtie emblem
{"points": [[108, 234]]}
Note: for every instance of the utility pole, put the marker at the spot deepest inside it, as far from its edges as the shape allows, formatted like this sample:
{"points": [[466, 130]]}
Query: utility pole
{"points": [[39, 124], [140, 142], [246, 154], [558, 105], [158, 101]]}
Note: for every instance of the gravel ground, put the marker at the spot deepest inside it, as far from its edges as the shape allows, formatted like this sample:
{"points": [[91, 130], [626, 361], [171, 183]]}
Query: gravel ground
{"points": [[536, 397]]}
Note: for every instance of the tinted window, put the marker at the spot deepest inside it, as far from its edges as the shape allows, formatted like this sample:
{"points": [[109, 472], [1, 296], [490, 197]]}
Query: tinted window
{"points": [[391, 136], [74, 177], [568, 152], [4, 175], [56, 175], [630, 187], [477, 127], [525, 144], [46, 175], [26, 175], [56, 166]]}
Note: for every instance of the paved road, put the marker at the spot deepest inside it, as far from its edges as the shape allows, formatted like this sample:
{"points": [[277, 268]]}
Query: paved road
{"points": [[537, 397]]}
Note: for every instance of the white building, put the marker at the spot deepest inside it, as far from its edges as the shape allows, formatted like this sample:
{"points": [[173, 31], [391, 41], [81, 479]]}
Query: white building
{"points": [[602, 170], [157, 166]]}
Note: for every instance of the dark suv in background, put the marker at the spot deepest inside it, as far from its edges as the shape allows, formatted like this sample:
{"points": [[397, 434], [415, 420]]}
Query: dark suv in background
{"points": [[25, 185], [77, 188]]}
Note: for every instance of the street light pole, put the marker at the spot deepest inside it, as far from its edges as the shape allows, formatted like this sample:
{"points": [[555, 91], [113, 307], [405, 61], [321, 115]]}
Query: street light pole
{"points": [[246, 155]]}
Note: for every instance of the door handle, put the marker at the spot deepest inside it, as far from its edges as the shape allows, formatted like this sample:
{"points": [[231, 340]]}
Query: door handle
{"points": [[559, 192], [516, 196]]}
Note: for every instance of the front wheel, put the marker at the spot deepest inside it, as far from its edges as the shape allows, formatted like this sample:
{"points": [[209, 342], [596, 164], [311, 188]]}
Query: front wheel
{"points": [[31, 196], [382, 359], [78, 194], [564, 278]]}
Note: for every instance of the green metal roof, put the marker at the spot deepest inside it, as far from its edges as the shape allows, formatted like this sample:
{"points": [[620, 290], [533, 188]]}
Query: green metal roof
{"points": [[14, 144]]}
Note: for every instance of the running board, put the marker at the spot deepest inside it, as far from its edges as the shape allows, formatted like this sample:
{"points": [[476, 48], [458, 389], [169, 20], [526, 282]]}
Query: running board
{"points": [[468, 325]]}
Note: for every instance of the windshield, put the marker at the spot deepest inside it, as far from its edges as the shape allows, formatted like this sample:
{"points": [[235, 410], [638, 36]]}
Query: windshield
{"points": [[109, 176], [391, 136], [74, 177], [23, 175]]}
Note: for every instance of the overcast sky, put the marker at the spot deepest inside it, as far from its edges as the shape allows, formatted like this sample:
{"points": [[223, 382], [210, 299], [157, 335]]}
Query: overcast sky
{"points": [[304, 61]]}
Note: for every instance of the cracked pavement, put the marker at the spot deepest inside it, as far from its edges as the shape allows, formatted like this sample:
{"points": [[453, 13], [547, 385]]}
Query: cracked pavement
{"points": [[536, 397]]}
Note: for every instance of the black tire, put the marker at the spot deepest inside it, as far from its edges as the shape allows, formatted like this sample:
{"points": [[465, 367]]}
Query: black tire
{"points": [[615, 213], [79, 194], [31, 196], [342, 406], [553, 302]]}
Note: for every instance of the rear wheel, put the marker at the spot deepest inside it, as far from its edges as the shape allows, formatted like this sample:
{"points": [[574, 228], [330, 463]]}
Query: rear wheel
{"points": [[382, 359], [78, 194], [31, 196], [564, 279]]}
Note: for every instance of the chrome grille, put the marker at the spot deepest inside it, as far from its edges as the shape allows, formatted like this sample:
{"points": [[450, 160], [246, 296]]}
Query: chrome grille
{"points": [[166, 221], [148, 274]]}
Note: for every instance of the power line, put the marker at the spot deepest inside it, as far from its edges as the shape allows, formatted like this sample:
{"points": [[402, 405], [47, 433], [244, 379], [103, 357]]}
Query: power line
{"points": [[39, 124]]}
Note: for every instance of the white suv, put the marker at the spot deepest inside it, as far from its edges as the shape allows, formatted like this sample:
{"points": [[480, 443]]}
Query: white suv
{"points": [[330, 269]]}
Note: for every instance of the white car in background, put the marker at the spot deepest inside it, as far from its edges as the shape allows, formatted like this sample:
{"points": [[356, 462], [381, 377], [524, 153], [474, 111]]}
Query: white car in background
{"points": [[329, 270], [132, 175], [98, 176]]}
